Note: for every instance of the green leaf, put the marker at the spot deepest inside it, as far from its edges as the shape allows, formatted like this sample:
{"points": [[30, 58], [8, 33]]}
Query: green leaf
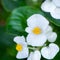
{"points": [[9, 5], [17, 21]]}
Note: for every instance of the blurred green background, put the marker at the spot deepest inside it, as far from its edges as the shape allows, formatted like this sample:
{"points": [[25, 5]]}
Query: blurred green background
{"points": [[13, 22]]}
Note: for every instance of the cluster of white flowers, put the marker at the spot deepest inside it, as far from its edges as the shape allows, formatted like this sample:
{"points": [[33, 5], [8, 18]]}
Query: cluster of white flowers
{"points": [[39, 33], [52, 6]]}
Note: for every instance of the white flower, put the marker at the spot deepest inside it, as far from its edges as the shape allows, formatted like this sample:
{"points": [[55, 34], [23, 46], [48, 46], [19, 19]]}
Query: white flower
{"points": [[36, 55], [52, 6], [39, 31], [37, 25], [21, 47], [50, 51]]}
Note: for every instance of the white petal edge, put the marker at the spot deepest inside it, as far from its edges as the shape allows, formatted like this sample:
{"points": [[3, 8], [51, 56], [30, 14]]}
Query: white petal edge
{"points": [[49, 29], [50, 52], [19, 39], [48, 6], [52, 37], [28, 29], [37, 20], [57, 2], [30, 56], [55, 13], [55, 48], [36, 55]]}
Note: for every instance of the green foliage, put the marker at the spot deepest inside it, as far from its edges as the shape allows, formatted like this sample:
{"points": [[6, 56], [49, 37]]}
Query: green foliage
{"points": [[14, 14], [7, 46], [17, 20], [9, 5]]}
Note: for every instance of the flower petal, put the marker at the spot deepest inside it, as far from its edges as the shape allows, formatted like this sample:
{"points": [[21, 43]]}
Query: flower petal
{"points": [[36, 55], [22, 54], [28, 30], [30, 56], [19, 39], [36, 40], [48, 29], [48, 6], [52, 37], [56, 13], [50, 52], [57, 2], [37, 20]]}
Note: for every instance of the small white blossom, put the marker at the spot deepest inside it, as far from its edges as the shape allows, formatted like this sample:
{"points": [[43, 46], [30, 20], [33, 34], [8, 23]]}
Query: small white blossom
{"points": [[21, 47], [50, 51], [52, 6]]}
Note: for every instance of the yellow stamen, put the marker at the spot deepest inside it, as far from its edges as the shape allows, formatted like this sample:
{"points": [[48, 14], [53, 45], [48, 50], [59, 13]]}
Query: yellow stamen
{"points": [[36, 30], [19, 47]]}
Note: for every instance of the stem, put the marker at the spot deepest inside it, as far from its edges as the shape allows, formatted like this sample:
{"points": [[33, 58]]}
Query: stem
{"points": [[32, 48]]}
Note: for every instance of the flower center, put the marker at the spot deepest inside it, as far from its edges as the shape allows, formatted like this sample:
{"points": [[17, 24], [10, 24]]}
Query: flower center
{"points": [[36, 30], [19, 47]]}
